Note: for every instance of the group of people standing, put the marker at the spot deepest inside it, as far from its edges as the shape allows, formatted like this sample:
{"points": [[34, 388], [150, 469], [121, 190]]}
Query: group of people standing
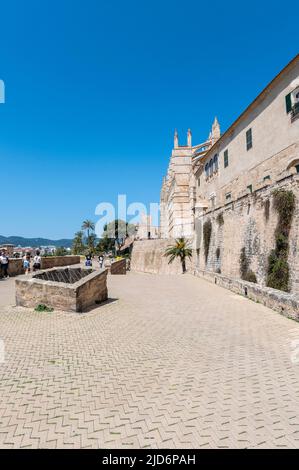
{"points": [[27, 262], [88, 260], [36, 265]]}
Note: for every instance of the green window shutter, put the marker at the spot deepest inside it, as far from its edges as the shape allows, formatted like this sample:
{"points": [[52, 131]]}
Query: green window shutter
{"points": [[288, 103]]}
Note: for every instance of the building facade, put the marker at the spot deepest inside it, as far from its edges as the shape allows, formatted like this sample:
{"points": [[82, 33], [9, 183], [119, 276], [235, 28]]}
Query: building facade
{"points": [[224, 194]]}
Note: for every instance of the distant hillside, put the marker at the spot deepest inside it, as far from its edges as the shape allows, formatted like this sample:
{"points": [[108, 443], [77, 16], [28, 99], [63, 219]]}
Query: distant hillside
{"points": [[35, 242]]}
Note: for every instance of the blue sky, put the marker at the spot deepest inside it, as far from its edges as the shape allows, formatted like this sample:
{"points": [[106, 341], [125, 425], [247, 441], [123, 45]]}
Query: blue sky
{"points": [[95, 89]]}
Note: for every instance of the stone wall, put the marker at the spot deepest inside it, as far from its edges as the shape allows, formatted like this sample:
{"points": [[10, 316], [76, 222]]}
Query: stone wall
{"points": [[55, 261], [148, 257], [15, 267], [79, 296], [248, 222], [118, 267], [284, 303]]}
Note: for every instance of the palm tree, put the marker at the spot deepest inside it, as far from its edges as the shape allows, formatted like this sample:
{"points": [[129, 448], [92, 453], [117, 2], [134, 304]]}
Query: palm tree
{"points": [[88, 225], [181, 249]]}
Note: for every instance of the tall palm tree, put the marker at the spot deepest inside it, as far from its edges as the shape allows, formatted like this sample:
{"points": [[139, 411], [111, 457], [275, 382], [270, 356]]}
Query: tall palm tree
{"points": [[181, 249], [88, 225]]}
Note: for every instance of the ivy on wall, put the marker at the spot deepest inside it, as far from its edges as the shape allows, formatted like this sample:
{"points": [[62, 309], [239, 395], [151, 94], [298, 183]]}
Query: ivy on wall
{"points": [[220, 219], [246, 273], [278, 269], [207, 232]]}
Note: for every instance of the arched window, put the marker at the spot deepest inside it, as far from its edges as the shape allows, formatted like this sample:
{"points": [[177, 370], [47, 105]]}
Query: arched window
{"points": [[207, 169], [216, 162], [211, 167]]}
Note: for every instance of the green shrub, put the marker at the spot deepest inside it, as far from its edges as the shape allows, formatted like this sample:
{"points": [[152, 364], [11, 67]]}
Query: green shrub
{"points": [[246, 273], [207, 232], [278, 270], [250, 276], [43, 308]]}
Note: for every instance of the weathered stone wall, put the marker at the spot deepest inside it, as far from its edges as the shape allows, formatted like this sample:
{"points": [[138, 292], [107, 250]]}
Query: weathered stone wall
{"points": [[148, 257], [284, 303], [249, 222], [118, 267], [15, 267], [55, 261], [76, 297]]}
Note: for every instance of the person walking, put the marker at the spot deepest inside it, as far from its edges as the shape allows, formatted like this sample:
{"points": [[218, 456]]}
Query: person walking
{"points": [[101, 261], [26, 263], [4, 260], [37, 261], [88, 261]]}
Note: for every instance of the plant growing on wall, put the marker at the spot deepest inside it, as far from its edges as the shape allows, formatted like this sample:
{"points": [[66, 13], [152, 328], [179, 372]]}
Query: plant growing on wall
{"points": [[278, 269], [220, 219], [181, 249], [246, 273], [207, 232]]}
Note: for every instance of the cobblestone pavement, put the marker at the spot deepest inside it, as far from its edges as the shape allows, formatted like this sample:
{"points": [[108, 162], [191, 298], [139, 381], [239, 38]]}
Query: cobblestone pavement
{"points": [[169, 362]]}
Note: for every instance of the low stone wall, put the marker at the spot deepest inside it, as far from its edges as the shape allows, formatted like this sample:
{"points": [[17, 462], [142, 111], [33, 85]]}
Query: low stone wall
{"points": [[118, 267], [15, 267], [88, 291], [283, 302], [56, 261], [148, 257]]}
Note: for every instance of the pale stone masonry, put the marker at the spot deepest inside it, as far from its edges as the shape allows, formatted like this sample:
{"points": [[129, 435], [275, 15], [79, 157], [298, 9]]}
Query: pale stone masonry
{"points": [[69, 289], [229, 180]]}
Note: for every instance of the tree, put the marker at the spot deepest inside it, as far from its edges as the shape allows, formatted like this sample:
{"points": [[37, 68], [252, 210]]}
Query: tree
{"points": [[88, 226], [181, 249], [116, 232], [60, 251], [78, 244]]}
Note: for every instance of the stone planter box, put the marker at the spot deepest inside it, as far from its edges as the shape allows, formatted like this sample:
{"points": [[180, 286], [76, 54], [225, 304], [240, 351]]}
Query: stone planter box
{"points": [[69, 289]]}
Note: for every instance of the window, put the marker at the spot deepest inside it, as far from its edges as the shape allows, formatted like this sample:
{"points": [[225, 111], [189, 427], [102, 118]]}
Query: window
{"points": [[297, 168], [198, 182], [211, 167], [249, 188], [228, 197], [215, 162], [249, 139], [207, 169], [225, 156], [288, 103], [267, 177]]}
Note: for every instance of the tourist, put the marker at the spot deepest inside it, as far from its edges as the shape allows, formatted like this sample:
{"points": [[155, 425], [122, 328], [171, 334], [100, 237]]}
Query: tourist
{"points": [[88, 261], [101, 261], [37, 261], [26, 263], [4, 264]]}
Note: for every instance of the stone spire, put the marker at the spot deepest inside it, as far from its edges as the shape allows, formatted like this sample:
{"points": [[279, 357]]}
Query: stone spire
{"points": [[215, 130], [189, 138], [176, 139]]}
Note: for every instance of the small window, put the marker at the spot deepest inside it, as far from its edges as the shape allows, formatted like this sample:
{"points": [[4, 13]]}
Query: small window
{"points": [[249, 139], [228, 197], [211, 167], [207, 169], [198, 182], [216, 162], [249, 188], [266, 178], [297, 168], [288, 103], [225, 155]]}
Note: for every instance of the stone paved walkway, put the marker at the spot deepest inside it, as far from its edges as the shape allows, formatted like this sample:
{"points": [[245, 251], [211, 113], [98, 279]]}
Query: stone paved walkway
{"points": [[171, 362]]}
